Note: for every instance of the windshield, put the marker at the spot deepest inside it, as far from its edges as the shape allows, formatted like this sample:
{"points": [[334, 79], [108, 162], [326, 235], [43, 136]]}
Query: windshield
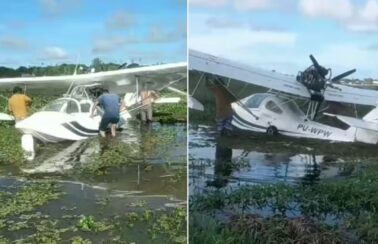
{"points": [[255, 100], [69, 106], [55, 106], [294, 108]]}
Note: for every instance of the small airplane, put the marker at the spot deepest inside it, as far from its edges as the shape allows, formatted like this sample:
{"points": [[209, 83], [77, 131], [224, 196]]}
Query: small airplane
{"points": [[68, 117], [276, 111]]}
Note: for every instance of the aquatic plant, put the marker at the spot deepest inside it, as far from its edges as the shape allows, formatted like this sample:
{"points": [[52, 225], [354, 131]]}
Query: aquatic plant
{"points": [[10, 146], [351, 202], [255, 229], [28, 198], [89, 223], [173, 225]]}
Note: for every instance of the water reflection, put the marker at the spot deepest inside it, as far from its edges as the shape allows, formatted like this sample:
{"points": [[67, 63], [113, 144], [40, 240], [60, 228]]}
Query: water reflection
{"points": [[222, 166], [152, 161], [217, 162]]}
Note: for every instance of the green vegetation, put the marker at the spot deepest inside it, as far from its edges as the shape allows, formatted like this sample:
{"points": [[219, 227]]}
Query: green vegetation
{"points": [[338, 210], [10, 144], [37, 212], [62, 69], [21, 220], [256, 229]]}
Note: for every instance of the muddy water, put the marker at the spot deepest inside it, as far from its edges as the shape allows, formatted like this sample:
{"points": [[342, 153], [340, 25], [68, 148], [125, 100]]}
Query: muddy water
{"points": [[154, 180], [223, 162]]}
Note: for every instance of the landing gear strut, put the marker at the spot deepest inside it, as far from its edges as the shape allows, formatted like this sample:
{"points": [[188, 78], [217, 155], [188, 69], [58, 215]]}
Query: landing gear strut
{"points": [[27, 143]]}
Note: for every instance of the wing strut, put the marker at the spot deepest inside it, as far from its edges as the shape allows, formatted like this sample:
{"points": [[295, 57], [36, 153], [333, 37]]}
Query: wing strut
{"points": [[197, 85], [237, 99]]}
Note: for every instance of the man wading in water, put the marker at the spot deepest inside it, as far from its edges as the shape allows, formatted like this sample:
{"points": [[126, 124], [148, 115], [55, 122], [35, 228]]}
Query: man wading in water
{"points": [[111, 104], [223, 100]]}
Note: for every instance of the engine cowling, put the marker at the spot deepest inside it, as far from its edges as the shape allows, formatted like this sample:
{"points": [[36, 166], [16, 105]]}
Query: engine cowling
{"points": [[312, 80]]}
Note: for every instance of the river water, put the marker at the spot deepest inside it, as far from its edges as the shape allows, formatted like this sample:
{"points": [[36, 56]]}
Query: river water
{"points": [[153, 179], [228, 162]]}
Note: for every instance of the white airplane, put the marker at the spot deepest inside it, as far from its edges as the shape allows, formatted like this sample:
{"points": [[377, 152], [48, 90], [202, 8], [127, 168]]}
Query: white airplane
{"points": [[68, 117], [276, 111]]}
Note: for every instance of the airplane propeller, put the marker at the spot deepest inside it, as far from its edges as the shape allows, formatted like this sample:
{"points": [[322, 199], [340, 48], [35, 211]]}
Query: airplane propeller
{"points": [[343, 75], [314, 79], [321, 70]]}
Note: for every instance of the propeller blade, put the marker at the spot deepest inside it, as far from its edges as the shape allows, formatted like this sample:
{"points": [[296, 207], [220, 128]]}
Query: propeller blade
{"points": [[321, 70], [343, 75], [314, 61]]}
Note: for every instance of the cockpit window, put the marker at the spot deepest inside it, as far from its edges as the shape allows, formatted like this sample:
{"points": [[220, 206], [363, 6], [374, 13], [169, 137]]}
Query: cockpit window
{"points": [[62, 105], [272, 106], [55, 106], [255, 100], [85, 107], [72, 107]]}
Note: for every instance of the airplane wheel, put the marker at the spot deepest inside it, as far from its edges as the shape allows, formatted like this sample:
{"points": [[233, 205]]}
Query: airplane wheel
{"points": [[271, 131]]}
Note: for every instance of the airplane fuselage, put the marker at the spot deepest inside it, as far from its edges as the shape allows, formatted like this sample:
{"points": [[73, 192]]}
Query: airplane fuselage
{"points": [[259, 112]]}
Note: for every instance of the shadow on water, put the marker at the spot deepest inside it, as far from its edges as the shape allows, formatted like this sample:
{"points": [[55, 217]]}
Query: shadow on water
{"points": [[141, 172]]}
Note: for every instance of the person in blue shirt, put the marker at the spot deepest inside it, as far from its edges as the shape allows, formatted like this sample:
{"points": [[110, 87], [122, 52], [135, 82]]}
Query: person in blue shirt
{"points": [[111, 104]]}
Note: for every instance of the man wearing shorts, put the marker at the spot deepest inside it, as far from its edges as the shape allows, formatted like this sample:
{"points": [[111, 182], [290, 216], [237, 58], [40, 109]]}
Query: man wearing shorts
{"points": [[111, 104]]}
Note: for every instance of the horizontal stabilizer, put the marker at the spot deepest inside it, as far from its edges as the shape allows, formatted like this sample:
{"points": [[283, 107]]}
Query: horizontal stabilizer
{"points": [[6, 117], [195, 104], [358, 123]]}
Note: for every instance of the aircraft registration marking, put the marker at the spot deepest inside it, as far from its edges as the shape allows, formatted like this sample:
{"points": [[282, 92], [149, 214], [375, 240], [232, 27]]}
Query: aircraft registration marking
{"points": [[314, 130]]}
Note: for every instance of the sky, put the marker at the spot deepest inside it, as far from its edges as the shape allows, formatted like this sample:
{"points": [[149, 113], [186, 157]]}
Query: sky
{"points": [[48, 32], [281, 34]]}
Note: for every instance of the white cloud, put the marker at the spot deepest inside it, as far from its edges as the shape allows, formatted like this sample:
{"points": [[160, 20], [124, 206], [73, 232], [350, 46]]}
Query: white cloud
{"points": [[230, 42], [13, 43], [335, 9], [209, 3], [247, 5], [54, 53], [359, 18], [113, 43], [241, 42], [121, 20], [369, 12], [223, 22], [345, 56], [53, 8], [365, 19], [158, 34], [241, 5]]}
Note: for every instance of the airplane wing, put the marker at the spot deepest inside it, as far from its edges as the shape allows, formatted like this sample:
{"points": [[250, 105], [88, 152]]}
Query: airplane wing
{"points": [[273, 80], [118, 81], [355, 122]]}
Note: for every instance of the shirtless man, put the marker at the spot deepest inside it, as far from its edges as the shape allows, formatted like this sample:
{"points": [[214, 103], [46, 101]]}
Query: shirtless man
{"points": [[147, 97]]}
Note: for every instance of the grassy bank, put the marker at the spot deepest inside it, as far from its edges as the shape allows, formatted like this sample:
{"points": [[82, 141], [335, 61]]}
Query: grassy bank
{"points": [[23, 221], [341, 210]]}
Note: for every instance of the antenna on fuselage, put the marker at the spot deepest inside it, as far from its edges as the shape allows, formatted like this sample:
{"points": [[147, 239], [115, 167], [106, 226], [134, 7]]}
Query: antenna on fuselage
{"points": [[74, 73]]}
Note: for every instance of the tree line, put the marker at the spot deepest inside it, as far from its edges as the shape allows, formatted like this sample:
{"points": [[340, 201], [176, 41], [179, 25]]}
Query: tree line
{"points": [[62, 69]]}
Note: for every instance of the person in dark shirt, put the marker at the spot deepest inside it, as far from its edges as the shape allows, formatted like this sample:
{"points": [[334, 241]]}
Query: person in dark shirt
{"points": [[111, 104]]}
